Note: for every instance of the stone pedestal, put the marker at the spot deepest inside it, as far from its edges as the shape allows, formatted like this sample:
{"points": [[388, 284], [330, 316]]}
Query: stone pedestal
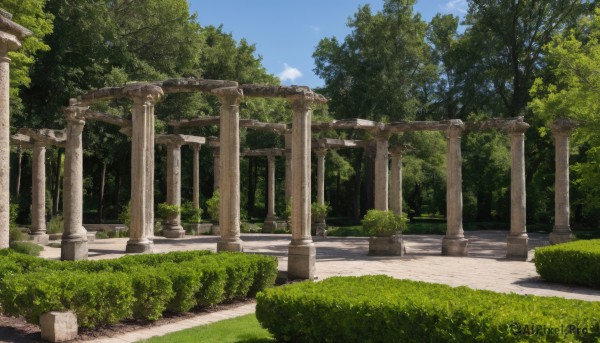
{"points": [[320, 228], [454, 243], [301, 261], [58, 326], [381, 172], [229, 210], [387, 246], [561, 131], [270, 225], [517, 244], [74, 238]]}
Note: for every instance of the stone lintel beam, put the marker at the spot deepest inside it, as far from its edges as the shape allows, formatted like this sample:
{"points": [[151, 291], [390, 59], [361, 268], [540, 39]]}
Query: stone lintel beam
{"points": [[46, 136], [132, 90], [258, 125], [269, 91], [179, 140], [12, 28], [332, 143], [247, 123], [400, 149], [195, 122], [190, 85], [21, 140], [108, 118], [408, 126], [497, 123], [213, 142], [355, 123], [275, 152]]}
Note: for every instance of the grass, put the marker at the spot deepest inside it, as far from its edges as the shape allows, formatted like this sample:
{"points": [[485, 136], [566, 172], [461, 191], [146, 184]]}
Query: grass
{"points": [[241, 329]]}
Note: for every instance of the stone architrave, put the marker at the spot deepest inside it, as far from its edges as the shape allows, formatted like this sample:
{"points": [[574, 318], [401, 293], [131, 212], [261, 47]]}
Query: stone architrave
{"points": [[288, 167], [11, 36], [381, 172], [270, 223], [301, 251], [74, 238], [561, 131], [396, 183], [196, 175], [141, 231], [454, 243], [320, 225], [517, 242], [229, 141]]}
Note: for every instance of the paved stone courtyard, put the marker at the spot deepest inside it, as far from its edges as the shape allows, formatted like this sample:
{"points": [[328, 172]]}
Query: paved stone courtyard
{"points": [[485, 268]]}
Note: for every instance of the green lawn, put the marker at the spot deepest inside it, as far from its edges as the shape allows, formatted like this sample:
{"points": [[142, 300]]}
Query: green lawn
{"points": [[241, 329]]}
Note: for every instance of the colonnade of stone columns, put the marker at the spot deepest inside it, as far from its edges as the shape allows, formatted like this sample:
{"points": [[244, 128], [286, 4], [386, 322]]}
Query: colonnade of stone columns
{"points": [[561, 131], [11, 36]]}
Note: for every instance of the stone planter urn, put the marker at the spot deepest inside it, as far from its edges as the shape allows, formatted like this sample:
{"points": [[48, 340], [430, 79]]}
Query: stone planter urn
{"points": [[319, 226], [387, 245], [215, 230]]}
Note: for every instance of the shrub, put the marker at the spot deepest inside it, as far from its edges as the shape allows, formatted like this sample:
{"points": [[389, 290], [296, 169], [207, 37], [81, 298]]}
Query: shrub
{"points": [[382, 309], [153, 290], [56, 224], [13, 214], [16, 234], [319, 211], [186, 281], [101, 235], [27, 248], [189, 214], [212, 206], [168, 212], [383, 223], [125, 215], [574, 262]]}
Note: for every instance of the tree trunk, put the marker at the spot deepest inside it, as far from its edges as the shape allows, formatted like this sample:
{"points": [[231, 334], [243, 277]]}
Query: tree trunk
{"points": [[57, 170], [101, 197]]}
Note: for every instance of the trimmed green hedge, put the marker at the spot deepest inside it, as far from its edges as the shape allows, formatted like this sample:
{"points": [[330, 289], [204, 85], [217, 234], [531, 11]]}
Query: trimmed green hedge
{"points": [[130, 287], [574, 262], [382, 309]]}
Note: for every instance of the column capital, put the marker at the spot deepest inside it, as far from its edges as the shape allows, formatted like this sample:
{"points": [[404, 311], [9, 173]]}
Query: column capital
{"points": [[8, 43], [396, 151], [196, 147], [455, 128], [143, 92], [321, 152], [302, 102], [75, 114], [271, 158], [517, 127], [563, 127], [229, 96]]}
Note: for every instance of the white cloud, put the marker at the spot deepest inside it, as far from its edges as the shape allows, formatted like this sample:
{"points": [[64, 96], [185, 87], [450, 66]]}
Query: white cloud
{"points": [[314, 28], [456, 6], [289, 73]]}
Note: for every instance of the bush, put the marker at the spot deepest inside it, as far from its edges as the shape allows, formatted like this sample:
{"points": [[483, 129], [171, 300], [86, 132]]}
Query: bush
{"points": [[189, 214], [16, 234], [212, 206], [101, 235], [56, 224], [168, 212], [574, 262], [153, 290], [382, 309], [319, 211], [383, 223], [13, 214], [125, 215], [27, 248]]}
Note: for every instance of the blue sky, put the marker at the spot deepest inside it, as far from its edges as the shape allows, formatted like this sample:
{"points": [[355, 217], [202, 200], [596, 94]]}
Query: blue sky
{"points": [[286, 32]]}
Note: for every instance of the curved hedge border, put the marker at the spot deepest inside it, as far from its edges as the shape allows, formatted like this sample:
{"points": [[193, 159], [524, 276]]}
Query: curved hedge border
{"points": [[574, 262], [382, 309], [130, 287]]}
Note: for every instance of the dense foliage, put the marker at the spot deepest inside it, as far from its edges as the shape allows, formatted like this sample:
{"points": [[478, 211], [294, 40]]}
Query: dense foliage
{"points": [[382, 309], [136, 286], [574, 262], [383, 223]]}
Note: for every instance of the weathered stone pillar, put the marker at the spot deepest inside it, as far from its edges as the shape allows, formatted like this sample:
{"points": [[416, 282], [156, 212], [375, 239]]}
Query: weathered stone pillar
{"points": [[173, 228], [74, 238], [142, 166], [517, 243], [454, 243], [561, 131], [396, 184], [196, 175], [381, 172], [320, 225], [301, 251], [217, 167], [271, 221], [288, 167], [229, 139], [38, 193], [11, 36]]}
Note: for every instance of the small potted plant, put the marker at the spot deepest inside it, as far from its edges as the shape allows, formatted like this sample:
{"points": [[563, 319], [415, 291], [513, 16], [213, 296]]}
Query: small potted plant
{"points": [[385, 229], [319, 213], [192, 219], [169, 214], [212, 207]]}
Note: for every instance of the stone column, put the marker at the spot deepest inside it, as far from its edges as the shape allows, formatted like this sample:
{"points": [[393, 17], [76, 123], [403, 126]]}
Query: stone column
{"points": [[396, 184], [196, 176], [381, 172], [319, 223], [38, 193], [142, 166], [216, 167], [288, 167], [74, 238], [454, 243], [301, 251], [173, 228], [229, 141], [561, 131], [11, 35], [517, 242], [271, 221]]}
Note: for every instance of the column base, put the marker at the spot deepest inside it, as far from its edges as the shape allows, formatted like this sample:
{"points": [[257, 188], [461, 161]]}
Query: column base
{"points": [[173, 231], [269, 225], [215, 230], [139, 247], [71, 250], [236, 245], [320, 229], [40, 238], [301, 261], [560, 235], [455, 247], [517, 248]]}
